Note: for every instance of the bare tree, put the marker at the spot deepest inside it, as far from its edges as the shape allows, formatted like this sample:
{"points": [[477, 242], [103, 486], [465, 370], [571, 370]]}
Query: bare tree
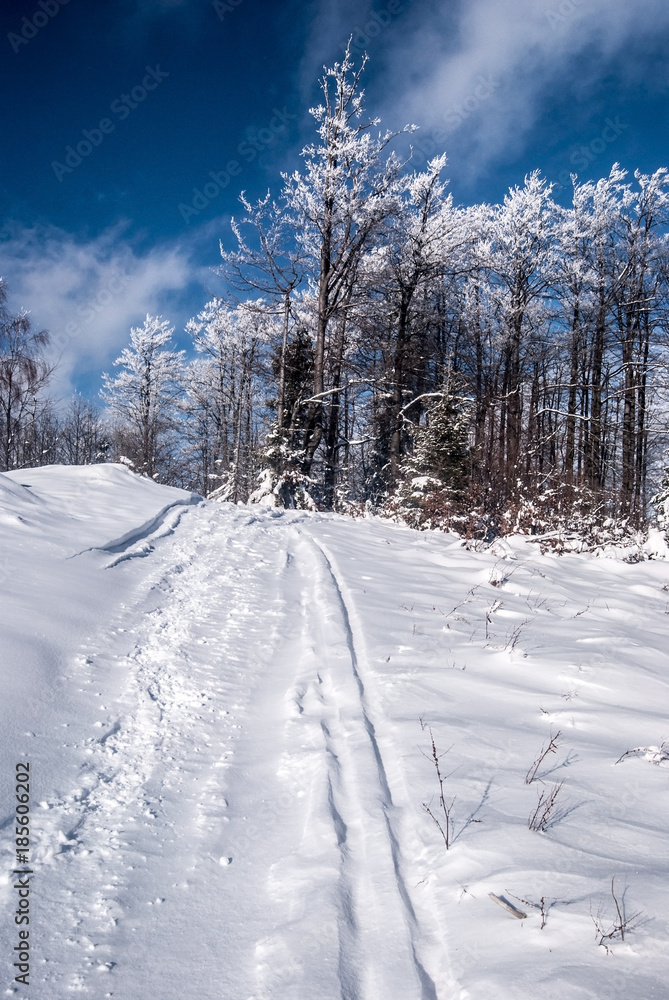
{"points": [[24, 373]]}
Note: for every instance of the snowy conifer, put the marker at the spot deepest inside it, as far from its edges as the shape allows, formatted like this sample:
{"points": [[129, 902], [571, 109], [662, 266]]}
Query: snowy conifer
{"points": [[661, 503], [434, 480]]}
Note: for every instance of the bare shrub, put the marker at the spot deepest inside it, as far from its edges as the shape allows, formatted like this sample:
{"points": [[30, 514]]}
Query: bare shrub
{"points": [[544, 814], [621, 925], [543, 753], [443, 822], [656, 755], [544, 906]]}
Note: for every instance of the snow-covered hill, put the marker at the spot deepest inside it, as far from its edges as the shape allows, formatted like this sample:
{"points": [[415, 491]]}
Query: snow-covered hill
{"points": [[228, 714]]}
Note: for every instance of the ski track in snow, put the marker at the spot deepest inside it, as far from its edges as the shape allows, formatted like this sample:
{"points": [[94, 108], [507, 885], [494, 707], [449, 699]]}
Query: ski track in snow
{"points": [[373, 962], [154, 782], [242, 790]]}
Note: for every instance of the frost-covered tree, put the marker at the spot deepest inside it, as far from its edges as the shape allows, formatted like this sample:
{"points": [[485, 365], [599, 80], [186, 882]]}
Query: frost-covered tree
{"points": [[345, 194], [638, 317], [223, 402], [661, 504], [143, 396], [269, 261], [425, 242], [611, 291], [377, 288], [283, 482], [442, 445], [519, 255]]}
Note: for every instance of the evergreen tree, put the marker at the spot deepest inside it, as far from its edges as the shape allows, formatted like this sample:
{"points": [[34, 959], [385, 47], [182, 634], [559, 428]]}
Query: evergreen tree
{"points": [[282, 481], [433, 482], [441, 449], [661, 503]]}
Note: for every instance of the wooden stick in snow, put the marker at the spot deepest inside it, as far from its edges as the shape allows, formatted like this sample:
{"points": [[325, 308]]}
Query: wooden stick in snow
{"points": [[506, 905]]}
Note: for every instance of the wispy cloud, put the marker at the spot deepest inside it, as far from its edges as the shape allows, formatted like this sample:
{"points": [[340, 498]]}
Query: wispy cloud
{"points": [[330, 25], [89, 292], [480, 72], [333, 22]]}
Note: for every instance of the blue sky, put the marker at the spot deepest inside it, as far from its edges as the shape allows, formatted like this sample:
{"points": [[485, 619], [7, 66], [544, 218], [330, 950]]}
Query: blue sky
{"points": [[130, 127]]}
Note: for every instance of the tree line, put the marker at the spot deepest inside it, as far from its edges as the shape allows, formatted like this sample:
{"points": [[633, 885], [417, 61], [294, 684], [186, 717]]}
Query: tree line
{"points": [[481, 367]]}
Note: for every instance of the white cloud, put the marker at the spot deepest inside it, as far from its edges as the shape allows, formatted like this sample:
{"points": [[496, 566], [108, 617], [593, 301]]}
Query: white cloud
{"points": [[481, 70], [88, 293]]}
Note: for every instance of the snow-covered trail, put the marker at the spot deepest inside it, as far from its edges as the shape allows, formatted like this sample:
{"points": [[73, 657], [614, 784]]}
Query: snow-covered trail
{"points": [[227, 719], [239, 651], [148, 824]]}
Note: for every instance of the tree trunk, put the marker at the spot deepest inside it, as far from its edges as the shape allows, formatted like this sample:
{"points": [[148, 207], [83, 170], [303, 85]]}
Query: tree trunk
{"points": [[575, 365]]}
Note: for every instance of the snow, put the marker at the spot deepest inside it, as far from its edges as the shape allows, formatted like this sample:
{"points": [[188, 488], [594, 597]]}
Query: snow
{"points": [[228, 711]]}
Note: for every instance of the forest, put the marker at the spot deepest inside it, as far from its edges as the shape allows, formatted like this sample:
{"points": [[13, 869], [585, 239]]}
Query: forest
{"points": [[483, 368]]}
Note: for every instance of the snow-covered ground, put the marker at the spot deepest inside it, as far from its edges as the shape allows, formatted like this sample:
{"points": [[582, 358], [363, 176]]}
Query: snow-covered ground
{"points": [[228, 715]]}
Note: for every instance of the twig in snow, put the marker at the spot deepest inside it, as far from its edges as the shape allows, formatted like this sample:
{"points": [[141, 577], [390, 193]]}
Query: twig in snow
{"points": [[499, 577], [544, 814], [445, 826], [513, 638], [545, 904], [545, 750], [621, 925], [656, 755]]}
